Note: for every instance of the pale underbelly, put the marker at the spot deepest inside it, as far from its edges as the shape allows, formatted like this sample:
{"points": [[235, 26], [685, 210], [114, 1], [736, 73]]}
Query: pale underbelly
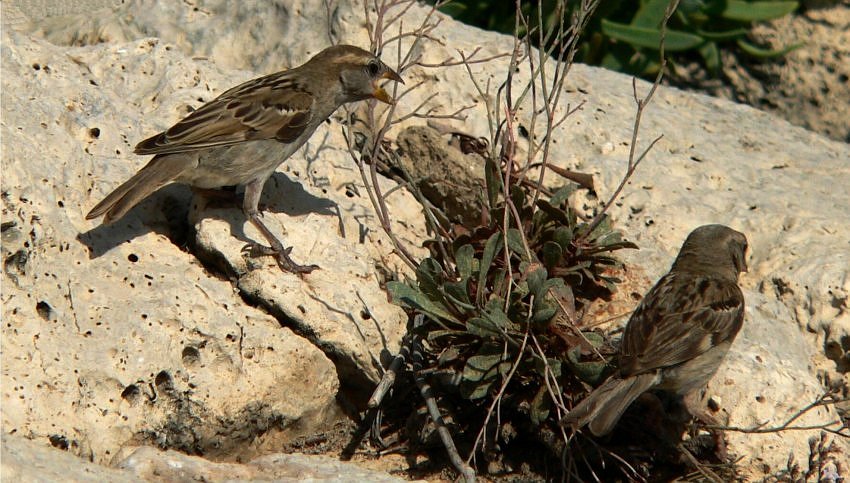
{"points": [[238, 164]]}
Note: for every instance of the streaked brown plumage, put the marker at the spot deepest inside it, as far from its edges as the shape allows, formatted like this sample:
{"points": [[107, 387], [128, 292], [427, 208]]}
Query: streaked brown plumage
{"points": [[679, 333], [241, 137]]}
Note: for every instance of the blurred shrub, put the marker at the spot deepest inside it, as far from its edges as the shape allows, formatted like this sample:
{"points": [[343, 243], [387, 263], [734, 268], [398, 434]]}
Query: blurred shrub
{"points": [[625, 35]]}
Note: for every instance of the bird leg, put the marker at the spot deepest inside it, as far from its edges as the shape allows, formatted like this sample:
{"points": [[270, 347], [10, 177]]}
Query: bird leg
{"points": [[693, 403], [276, 249]]}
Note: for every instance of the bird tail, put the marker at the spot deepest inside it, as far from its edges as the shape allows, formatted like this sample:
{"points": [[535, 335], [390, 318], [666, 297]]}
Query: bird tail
{"points": [[160, 171], [602, 409]]}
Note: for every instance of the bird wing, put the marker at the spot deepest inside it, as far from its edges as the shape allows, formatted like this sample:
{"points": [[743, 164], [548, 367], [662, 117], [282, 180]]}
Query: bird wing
{"points": [[681, 317], [270, 107]]}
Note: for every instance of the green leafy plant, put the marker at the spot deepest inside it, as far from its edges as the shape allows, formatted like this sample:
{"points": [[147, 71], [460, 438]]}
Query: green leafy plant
{"points": [[492, 288], [498, 325], [625, 35], [702, 26], [498, 309]]}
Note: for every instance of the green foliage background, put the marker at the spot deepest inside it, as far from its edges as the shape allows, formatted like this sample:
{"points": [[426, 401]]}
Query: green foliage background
{"points": [[624, 35]]}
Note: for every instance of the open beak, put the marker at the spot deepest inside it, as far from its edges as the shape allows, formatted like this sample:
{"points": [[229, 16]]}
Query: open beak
{"points": [[381, 94], [391, 75]]}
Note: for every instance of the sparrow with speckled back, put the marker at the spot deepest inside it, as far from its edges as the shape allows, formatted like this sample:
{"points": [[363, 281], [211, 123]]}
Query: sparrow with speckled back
{"points": [[242, 136], [680, 332]]}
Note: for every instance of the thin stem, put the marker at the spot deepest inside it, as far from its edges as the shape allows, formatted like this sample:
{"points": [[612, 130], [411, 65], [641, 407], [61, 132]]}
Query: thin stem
{"points": [[641, 105]]}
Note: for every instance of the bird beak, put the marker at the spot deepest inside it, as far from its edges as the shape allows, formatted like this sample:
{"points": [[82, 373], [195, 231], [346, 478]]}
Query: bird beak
{"points": [[382, 95], [391, 75]]}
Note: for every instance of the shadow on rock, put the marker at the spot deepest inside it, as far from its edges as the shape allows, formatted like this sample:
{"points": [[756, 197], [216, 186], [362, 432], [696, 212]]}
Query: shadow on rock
{"points": [[166, 212]]}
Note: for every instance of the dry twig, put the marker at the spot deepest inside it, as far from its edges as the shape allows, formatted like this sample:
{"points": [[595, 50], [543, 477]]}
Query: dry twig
{"points": [[825, 399]]}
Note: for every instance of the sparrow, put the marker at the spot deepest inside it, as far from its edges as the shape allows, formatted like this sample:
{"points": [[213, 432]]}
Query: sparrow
{"points": [[243, 135], [680, 332]]}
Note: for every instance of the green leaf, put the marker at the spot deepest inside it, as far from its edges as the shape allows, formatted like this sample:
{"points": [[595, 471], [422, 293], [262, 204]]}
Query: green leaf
{"points": [[538, 221], [689, 7], [563, 236], [610, 238], [535, 275], [579, 266], [487, 257], [711, 56], [472, 390], [590, 372], [573, 219], [596, 340], [493, 244], [757, 11], [609, 248], [437, 334], [627, 59], [761, 53], [455, 9], [518, 197], [481, 366], [543, 312], [482, 371], [556, 283], [650, 14], [407, 296], [554, 366], [429, 274], [515, 243], [482, 327], [500, 281], [614, 62], [459, 294], [519, 292], [493, 180], [494, 313], [463, 260], [602, 228], [449, 355], [556, 214], [721, 36], [675, 40], [552, 253], [561, 195]]}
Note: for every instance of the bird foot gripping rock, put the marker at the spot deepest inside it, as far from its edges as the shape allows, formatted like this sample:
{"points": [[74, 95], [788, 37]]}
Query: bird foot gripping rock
{"points": [[284, 261]]}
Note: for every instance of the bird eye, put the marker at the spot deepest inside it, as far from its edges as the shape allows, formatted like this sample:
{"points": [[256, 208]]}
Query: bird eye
{"points": [[374, 68]]}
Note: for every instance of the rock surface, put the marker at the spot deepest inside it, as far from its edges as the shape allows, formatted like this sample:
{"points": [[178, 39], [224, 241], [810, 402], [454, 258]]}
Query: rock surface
{"points": [[25, 460], [90, 312], [810, 86], [150, 464]]}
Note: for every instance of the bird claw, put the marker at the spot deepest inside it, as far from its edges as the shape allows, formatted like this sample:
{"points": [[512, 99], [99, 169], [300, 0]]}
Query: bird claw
{"points": [[287, 264], [255, 250]]}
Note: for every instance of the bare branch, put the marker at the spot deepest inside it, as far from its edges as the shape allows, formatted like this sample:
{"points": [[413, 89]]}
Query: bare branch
{"points": [[641, 105], [499, 395], [464, 59], [825, 399], [434, 411]]}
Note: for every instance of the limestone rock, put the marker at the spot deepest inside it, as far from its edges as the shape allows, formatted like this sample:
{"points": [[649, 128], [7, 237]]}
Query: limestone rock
{"points": [[113, 334], [86, 317], [26, 460], [149, 464]]}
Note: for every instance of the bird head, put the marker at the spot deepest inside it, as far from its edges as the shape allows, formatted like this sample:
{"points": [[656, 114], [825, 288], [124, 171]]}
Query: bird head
{"points": [[358, 71], [714, 248]]}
